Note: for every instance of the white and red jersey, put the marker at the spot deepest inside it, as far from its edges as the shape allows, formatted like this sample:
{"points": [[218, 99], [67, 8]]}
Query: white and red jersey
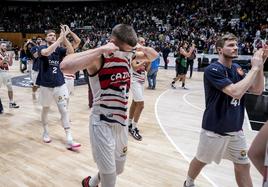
{"points": [[139, 74], [110, 87], [4, 60]]}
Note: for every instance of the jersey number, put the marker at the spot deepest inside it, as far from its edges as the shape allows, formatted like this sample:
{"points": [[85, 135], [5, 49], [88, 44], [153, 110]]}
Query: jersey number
{"points": [[235, 102], [54, 70], [124, 89]]}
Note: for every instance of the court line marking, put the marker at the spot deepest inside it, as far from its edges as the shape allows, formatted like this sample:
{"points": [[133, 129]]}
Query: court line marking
{"points": [[172, 142]]}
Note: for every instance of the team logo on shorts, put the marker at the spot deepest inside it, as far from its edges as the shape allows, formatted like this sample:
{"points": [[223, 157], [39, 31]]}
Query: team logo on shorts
{"points": [[243, 153], [124, 152], [124, 149], [240, 71]]}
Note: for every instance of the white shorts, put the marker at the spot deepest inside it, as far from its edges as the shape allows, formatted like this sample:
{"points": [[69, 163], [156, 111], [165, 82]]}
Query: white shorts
{"points": [[5, 79], [69, 81], [109, 144], [137, 91], [34, 76], [30, 68], [47, 95], [214, 147]]}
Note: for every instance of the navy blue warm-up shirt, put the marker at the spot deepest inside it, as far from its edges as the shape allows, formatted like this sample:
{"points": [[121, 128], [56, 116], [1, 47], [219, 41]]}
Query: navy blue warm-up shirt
{"points": [[50, 74], [223, 113]]}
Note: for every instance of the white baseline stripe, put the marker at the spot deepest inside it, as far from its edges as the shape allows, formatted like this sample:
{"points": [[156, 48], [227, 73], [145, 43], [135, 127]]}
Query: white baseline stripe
{"points": [[172, 142]]}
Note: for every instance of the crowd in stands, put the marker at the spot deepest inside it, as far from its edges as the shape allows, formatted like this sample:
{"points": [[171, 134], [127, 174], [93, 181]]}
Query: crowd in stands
{"points": [[161, 22]]}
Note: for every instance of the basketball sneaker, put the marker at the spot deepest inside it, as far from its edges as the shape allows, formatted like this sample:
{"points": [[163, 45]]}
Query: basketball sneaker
{"points": [[173, 86], [85, 182], [184, 185], [13, 105], [73, 146], [46, 138], [136, 135]]}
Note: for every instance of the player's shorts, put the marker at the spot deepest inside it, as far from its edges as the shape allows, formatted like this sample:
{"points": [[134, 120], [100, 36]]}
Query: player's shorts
{"points": [[137, 91], [108, 142], [180, 70], [5, 79], [214, 147], [58, 94], [34, 76], [69, 81]]}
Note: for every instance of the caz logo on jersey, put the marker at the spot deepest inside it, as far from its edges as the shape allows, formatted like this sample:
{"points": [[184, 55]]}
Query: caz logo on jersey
{"points": [[53, 62], [120, 76]]}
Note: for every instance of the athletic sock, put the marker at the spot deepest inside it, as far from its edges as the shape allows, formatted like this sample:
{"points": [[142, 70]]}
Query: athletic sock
{"points": [[134, 125], [69, 136], [129, 122], [94, 181], [189, 181]]}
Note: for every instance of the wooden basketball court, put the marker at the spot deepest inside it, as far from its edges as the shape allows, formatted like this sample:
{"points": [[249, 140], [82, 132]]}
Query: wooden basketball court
{"points": [[170, 126]]}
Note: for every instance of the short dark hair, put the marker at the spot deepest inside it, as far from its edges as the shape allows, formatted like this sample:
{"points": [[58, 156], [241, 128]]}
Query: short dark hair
{"points": [[125, 33], [222, 39], [49, 31]]}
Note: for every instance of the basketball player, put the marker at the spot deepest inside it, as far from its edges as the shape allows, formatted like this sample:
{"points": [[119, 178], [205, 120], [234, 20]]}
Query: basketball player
{"points": [[222, 135], [6, 60], [69, 78], [35, 68], [256, 152], [181, 64], [139, 66], [109, 70], [52, 85]]}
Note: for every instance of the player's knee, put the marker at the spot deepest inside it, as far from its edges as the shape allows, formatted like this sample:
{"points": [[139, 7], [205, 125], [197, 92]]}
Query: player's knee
{"points": [[9, 87], [140, 105], [119, 167]]}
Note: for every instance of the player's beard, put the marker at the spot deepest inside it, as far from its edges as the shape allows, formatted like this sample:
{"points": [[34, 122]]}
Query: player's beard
{"points": [[230, 56]]}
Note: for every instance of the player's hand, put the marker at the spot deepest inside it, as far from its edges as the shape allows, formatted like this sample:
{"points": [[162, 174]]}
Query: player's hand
{"points": [[109, 48], [61, 37], [257, 59], [66, 28]]}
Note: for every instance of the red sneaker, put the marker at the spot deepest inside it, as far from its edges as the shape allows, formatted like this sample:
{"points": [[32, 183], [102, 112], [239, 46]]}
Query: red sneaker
{"points": [[85, 182]]}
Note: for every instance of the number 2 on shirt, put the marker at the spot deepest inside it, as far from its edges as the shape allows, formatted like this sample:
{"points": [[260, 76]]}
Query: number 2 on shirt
{"points": [[54, 70]]}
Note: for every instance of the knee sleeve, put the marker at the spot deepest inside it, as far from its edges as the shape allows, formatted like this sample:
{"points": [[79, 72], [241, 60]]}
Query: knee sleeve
{"points": [[62, 107], [108, 180], [119, 167], [44, 115]]}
